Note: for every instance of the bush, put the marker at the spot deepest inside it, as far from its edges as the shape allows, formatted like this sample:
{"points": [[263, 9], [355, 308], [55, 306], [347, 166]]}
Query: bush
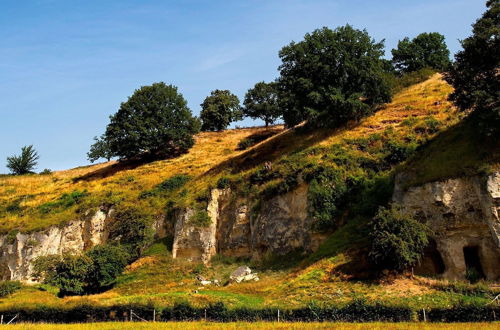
{"points": [[9, 287], [397, 240], [326, 196], [201, 219], [223, 183], [25, 162], [132, 228], [108, 261], [46, 171], [66, 201]]}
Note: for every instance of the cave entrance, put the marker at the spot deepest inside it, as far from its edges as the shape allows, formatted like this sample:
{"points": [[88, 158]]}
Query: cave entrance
{"points": [[431, 263], [473, 269]]}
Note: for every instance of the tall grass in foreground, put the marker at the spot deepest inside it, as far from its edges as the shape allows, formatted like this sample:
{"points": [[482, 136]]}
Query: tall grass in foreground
{"points": [[256, 325]]}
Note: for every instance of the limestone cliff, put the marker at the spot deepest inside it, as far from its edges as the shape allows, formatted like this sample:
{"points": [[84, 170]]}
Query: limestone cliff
{"points": [[239, 228], [464, 214], [16, 253]]}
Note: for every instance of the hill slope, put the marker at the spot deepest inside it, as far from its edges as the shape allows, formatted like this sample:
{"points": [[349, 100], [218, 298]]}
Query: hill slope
{"points": [[364, 155]]}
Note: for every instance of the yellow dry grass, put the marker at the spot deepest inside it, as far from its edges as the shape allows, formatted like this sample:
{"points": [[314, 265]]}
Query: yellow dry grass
{"points": [[256, 325]]}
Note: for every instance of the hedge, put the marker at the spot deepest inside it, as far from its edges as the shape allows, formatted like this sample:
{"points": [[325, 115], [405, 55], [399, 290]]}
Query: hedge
{"points": [[354, 312]]}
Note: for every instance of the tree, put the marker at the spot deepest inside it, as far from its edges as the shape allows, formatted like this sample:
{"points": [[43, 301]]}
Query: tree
{"points": [[332, 77], [397, 240], [425, 50], [100, 149], [475, 74], [261, 101], [24, 163], [219, 109], [154, 121]]}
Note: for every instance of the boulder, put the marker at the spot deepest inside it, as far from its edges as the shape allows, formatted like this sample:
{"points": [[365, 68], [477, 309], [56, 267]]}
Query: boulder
{"points": [[243, 274]]}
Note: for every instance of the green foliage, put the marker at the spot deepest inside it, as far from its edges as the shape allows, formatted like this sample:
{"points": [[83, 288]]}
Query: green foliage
{"points": [[9, 287], [397, 240], [326, 195], [223, 183], [171, 184], [25, 163], [132, 228], [108, 261], [100, 149], [154, 121], [312, 89], [200, 219], [46, 171], [64, 202], [427, 50], [261, 101], [219, 109], [67, 272], [474, 74], [90, 272]]}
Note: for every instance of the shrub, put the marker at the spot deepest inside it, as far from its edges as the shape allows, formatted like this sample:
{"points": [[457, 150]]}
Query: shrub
{"points": [[132, 228], [200, 219], [397, 240], [108, 261], [9, 287], [46, 171], [173, 183], [326, 196], [25, 162], [69, 274], [66, 201], [223, 183]]}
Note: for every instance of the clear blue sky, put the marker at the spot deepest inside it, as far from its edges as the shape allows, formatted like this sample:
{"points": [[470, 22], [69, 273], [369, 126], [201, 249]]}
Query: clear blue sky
{"points": [[66, 65]]}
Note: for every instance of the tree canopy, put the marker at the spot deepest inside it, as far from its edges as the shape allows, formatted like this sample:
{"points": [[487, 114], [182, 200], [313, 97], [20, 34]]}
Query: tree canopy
{"points": [[427, 50], [332, 77], [25, 163], [475, 74], [219, 109], [155, 120], [261, 102]]}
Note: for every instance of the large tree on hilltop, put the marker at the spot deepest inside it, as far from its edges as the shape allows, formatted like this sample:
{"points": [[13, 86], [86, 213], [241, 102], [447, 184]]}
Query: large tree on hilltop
{"points": [[154, 121], [475, 74], [427, 50], [332, 77], [220, 109], [261, 102]]}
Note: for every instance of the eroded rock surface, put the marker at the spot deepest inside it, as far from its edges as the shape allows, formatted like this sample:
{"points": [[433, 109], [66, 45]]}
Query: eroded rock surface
{"points": [[16, 253], [464, 214]]}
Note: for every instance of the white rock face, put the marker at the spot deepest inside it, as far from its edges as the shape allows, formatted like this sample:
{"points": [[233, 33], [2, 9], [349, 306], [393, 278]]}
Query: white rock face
{"points": [[464, 213], [16, 254], [279, 226]]}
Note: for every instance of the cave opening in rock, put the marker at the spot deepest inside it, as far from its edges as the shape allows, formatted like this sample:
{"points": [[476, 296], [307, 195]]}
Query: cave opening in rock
{"points": [[473, 269], [431, 263]]}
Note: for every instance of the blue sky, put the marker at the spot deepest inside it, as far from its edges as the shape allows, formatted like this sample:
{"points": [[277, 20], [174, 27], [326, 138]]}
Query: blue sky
{"points": [[66, 65]]}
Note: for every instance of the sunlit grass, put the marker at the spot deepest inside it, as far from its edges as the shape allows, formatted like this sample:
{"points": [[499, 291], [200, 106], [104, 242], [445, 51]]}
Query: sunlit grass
{"points": [[255, 325]]}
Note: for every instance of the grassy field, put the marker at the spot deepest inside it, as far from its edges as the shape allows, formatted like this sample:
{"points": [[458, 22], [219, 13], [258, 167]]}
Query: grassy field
{"points": [[256, 325]]}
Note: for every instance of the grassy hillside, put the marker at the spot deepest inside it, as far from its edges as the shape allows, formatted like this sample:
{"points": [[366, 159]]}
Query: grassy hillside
{"points": [[365, 155]]}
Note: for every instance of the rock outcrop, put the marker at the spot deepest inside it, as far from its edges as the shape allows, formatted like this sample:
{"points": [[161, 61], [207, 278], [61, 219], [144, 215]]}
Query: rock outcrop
{"points": [[277, 226], [16, 253], [464, 214]]}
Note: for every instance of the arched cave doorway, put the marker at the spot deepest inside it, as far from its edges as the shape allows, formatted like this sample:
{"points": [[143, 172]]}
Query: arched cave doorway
{"points": [[431, 263], [473, 268]]}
